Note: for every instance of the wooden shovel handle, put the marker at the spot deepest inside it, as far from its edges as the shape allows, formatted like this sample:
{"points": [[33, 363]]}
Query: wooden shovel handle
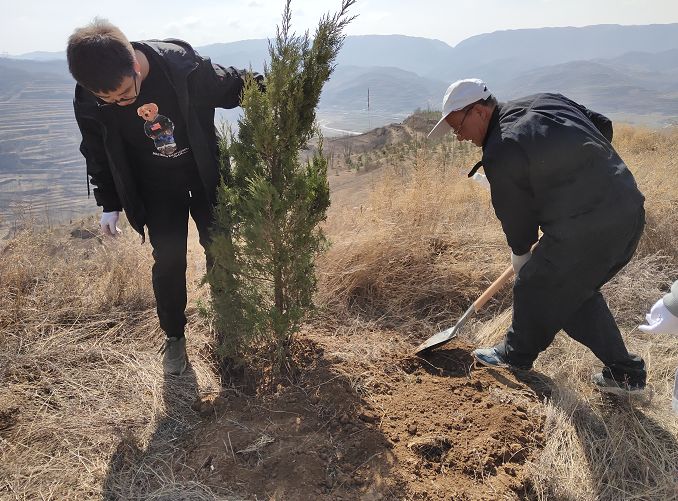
{"points": [[496, 285]]}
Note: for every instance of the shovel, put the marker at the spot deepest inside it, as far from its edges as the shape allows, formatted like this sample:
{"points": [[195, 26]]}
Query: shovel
{"points": [[444, 336]]}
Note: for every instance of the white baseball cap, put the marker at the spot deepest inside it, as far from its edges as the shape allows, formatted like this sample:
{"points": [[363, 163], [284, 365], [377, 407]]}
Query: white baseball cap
{"points": [[459, 95]]}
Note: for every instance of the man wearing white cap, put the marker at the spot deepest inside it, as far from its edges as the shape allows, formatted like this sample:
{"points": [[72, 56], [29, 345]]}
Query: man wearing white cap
{"points": [[551, 166]]}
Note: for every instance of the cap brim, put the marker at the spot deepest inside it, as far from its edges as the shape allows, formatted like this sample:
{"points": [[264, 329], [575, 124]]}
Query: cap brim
{"points": [[441, 128]]}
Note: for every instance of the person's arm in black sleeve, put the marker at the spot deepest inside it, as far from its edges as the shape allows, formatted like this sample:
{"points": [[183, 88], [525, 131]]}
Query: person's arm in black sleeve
{"points": [[512, 197], [92, 148], [221, 87]]}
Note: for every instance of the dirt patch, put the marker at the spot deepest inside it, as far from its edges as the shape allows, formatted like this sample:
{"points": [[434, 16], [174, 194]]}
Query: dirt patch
{"points": [[461, 433], [314, 438], [426, 429]]}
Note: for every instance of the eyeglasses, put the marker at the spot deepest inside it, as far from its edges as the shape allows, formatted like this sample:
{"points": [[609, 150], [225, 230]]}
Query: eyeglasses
{"points": [[102, 103], [457, 130]]}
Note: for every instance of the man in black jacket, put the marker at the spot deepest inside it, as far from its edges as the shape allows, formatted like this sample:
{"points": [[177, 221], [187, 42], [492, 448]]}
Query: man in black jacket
{"points": [[551, 166], [146, 114]]}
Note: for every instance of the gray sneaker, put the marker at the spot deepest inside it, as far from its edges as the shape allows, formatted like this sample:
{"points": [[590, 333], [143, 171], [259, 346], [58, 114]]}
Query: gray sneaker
{"points": [[492, 357], [489, 357], [174, 358]]}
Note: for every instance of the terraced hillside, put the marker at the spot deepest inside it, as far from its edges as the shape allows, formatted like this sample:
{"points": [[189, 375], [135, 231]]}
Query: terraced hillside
{"points": [[42, 174]]}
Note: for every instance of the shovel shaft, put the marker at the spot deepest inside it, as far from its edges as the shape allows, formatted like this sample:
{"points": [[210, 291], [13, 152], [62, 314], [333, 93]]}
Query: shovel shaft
{"points": [[496, 285], [444, 336]]}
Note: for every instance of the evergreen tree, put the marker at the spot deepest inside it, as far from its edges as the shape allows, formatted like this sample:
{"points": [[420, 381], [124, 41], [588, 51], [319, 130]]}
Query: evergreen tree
{"points": [[270, 202]]}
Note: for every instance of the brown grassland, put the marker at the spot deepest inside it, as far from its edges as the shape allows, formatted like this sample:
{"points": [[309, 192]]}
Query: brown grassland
{"points": [[85, 412]]}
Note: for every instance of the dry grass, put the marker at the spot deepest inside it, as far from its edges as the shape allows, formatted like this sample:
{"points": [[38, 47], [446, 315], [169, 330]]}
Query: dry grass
{"points": [[85, 410], [653, 157], [423, 248], [83, 404]]}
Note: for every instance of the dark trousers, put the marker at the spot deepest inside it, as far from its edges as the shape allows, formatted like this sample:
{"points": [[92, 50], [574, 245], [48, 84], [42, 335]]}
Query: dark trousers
{"points": [[167, 213], [559, 288]]}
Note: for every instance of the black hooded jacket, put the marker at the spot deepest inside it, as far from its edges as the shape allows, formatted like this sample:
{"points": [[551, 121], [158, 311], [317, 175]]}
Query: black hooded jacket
{"points": [[550, 165], [200, 86]]}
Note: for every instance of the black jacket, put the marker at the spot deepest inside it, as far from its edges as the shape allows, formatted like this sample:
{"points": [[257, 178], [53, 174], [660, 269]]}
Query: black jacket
{"points": [[550, 165], [200, 85]]}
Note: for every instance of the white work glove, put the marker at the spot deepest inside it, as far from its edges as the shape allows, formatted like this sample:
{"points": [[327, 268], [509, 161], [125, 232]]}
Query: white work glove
{"points": [[481, 180], [519, 261], [660, 320], [109, 221]]}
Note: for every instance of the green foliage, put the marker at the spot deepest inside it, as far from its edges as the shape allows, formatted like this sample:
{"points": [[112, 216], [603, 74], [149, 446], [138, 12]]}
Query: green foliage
{"points": [[271, 203]]}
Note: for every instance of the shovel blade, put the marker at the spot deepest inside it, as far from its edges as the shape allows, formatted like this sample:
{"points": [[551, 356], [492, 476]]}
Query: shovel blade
{"points": [[444, 336], [437, 340]]}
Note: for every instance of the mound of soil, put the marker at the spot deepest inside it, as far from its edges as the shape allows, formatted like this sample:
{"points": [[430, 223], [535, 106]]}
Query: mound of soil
{"points": [[424, 429]]}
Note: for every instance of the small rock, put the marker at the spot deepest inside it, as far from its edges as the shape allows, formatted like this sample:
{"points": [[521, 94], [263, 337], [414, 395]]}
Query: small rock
{"points": [[369, 417], [344, 419], [314, 399], [412, 429]]}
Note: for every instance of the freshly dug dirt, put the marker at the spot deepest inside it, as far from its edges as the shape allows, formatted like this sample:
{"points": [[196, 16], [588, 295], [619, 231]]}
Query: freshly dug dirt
{"points": [[424, 429]]}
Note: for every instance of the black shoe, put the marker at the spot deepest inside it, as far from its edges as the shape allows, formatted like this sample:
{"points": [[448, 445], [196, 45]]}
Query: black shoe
{"points": [[605, 382]]}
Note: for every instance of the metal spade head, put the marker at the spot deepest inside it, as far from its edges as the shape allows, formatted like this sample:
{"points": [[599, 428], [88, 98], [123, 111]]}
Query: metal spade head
{"points": [[446, 335]]}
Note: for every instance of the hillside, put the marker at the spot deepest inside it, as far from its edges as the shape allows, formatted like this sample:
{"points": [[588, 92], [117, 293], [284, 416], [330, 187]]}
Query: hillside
{"points": [[42, 174], [85, 412], [391, 90]]}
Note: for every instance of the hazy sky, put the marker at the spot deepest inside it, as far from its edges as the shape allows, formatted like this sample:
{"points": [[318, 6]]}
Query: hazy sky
{"points": [[30, 25]]}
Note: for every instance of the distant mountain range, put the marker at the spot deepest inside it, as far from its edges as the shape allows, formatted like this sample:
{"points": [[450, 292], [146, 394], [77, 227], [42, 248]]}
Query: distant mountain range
{"points": [[624, 70], [630, 73]]}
